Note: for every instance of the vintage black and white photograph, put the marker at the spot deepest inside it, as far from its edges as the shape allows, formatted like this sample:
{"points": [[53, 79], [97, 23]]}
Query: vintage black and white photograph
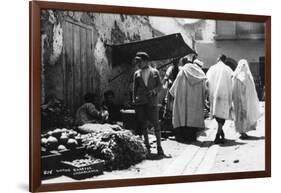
{"points": [[132, 96]]}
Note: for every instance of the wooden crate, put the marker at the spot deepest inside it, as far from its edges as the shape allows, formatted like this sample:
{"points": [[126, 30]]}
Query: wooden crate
{"points": [[83, 172], [50, 161]]}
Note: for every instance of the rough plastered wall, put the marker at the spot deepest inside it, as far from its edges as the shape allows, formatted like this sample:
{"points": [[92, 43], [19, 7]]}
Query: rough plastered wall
{"points": [[108, 29], [116, 29], [51, 54]]}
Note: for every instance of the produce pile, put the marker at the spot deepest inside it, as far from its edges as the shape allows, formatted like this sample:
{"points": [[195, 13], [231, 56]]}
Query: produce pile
{"points": [[61, 139], [118, 147]]}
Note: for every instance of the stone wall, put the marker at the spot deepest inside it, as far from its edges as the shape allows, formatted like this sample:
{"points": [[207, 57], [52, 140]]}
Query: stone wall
{"points": [[107, 29]]}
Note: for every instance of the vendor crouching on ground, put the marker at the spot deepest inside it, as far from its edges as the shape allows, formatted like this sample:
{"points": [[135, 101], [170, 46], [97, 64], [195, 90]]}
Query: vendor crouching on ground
{"points": [[146, 85], [90, 112]]}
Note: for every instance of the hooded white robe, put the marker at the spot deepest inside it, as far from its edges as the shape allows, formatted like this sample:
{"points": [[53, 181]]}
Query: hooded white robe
{"points": [[188, 91], [220, 90], [245, 99]]}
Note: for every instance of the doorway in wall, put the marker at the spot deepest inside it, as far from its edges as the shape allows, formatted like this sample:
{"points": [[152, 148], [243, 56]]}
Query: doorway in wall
{"points": [[78, 63]]}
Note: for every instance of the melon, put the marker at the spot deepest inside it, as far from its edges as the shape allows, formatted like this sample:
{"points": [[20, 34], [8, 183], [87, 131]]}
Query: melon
{"points": [[50, 133], [57, 133], [72, 134], [64, 130], [72, 143], [63, 138], [44, 142], [61, 148], [52, 143]]}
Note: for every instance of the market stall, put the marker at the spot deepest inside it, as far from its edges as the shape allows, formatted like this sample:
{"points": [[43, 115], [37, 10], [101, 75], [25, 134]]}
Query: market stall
{"points": [[88, 150], [85, 151]]}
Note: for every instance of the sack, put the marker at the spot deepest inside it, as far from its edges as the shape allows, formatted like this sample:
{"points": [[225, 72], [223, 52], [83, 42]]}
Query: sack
{"points": [[91, 128]]}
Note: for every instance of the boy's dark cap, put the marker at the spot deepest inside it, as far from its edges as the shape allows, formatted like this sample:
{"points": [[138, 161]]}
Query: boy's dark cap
{"points": [[142, 55]]}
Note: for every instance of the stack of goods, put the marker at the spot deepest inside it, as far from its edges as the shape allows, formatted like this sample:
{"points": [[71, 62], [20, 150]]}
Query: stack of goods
{"points": [[56, 145], [60, 140], [118, 147], [86, 167]]}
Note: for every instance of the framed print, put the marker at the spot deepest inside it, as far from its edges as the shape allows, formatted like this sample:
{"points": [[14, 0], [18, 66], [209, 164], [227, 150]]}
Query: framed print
{"points": [[126, 96]]}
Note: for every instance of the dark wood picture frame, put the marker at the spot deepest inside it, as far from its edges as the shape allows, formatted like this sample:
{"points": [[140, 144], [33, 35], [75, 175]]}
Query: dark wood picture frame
{"points": [[35, 95]]}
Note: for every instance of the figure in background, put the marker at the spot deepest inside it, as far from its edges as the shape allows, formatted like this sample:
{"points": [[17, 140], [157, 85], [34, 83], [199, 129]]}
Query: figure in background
{"points": [[112, 108], [171, 73], [146, 85], [245, 99], [90, 112], [198, 62], [170, 76], [188, 91], [207, 103], [220, 94]]}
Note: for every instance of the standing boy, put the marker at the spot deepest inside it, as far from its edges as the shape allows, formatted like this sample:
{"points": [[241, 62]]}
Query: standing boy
{"points": [[146, 85]]}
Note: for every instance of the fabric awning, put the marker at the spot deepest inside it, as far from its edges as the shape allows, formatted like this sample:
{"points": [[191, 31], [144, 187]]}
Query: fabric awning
{"points": [[160, 48]]}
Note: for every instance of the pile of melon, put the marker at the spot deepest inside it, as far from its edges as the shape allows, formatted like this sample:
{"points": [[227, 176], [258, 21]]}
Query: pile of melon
{"points": [[61, 139]]}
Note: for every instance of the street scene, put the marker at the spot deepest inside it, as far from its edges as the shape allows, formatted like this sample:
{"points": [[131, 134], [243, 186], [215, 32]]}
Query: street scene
{"points": [[128, 96], [200, 157]]}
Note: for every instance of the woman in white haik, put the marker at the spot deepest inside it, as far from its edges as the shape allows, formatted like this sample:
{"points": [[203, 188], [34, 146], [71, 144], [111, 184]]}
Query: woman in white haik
{"points": [[245, 99]]}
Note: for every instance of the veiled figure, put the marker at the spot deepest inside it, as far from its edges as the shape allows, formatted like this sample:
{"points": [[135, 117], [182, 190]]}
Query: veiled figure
{"points": [[245, 99]]}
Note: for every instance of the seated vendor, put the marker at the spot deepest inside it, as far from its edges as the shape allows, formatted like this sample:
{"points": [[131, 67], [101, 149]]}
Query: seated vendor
{"points": [[113, 109], [89, 111]]}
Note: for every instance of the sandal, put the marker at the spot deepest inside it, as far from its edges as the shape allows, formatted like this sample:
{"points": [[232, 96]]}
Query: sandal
{"points": [[222, 141], [244, 136], [217, 139], [222, 135]]}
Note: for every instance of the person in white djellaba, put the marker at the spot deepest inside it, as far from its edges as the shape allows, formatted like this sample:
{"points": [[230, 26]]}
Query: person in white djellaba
{"points": [[188, 91], [219, 84], [245, 99]]}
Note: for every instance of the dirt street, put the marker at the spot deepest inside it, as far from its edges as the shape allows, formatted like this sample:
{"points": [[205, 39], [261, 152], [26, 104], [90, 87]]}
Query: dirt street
{"points": [[200, 157]]}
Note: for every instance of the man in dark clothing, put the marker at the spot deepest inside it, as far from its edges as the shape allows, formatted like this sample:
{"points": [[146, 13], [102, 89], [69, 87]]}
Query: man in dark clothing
{"points": [[113, 109], [146, 86]]}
